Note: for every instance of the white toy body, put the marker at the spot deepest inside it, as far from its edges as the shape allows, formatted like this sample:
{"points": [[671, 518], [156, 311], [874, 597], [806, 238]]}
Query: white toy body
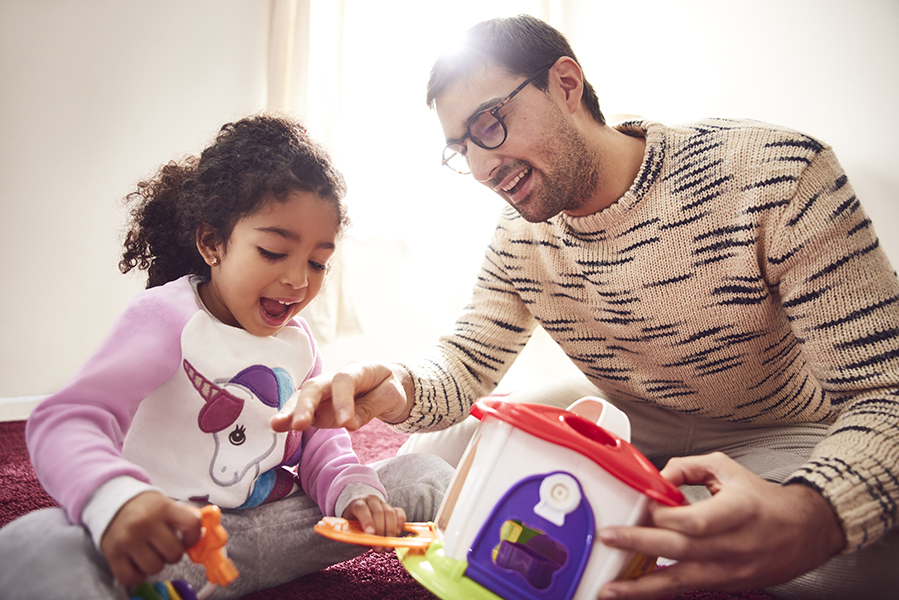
{"points": [[521, 518], [495, 491]]}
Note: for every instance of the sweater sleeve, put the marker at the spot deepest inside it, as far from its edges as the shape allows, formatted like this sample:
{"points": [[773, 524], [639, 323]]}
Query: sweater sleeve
{"points": [[470, 362], [75, 436], [329, 465], [841, 296]]}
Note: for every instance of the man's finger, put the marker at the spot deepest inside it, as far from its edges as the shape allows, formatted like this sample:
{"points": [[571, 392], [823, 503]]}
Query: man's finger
{"points": [[719, 514], [708, 469], [284, 419], [299, 411], [661, 583], [647, 540], [724, 511], [343, 394]]}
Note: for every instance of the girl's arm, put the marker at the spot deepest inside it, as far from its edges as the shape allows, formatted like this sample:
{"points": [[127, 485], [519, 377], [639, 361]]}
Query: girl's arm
{"points": [[75, 436], [329, 471]]}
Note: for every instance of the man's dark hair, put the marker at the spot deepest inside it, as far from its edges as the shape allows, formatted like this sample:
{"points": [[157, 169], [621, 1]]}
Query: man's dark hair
{"points": [[521, 45]]}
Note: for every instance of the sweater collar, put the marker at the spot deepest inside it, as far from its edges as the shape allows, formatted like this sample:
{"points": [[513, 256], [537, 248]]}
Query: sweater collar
{"points": [[653, 159]]}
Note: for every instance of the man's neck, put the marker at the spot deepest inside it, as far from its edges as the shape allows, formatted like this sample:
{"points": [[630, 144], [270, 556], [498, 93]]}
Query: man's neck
{"points": [[620, 157]]}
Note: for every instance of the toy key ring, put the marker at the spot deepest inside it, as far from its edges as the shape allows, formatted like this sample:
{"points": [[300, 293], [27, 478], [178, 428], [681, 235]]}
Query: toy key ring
{"points": [[209, 552], [343, 530]]}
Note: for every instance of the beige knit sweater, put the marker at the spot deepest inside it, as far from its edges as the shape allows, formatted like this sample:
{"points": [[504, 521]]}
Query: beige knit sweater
{"points": [[737, 279]]}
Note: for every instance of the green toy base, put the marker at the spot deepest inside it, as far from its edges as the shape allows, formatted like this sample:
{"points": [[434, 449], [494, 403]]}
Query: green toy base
{"points": [[441, 575]]}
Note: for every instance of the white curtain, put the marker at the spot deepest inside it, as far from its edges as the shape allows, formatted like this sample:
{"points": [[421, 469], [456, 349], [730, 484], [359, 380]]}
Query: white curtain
{"points": [[356, 72], [303, 58]]}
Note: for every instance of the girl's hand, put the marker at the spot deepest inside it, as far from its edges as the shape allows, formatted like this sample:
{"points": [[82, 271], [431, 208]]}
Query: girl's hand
{"points": [[750, 534], [376, 516], [349, 398], [149, 531]]}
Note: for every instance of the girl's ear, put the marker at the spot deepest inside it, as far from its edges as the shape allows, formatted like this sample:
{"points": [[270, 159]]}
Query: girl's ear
{"points": [[208, 244]]}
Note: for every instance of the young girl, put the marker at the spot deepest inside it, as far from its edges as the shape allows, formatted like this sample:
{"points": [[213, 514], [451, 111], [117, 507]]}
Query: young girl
{"points": [[173, 411]]}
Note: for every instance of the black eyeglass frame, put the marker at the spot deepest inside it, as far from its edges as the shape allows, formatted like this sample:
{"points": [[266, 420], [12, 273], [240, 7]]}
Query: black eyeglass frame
{"points": [[493, 111]]}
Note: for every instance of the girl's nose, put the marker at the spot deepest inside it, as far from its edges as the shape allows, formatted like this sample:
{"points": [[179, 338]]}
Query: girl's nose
{"points": [[296, 277]]}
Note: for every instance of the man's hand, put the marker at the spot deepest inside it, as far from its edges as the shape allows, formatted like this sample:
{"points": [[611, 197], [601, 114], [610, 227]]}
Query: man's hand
{"points": [[349, 398], [149, 531], [750, 534]]}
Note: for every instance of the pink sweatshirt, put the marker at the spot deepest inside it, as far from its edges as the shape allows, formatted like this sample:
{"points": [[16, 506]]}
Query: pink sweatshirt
{"points": [[176, 400]]}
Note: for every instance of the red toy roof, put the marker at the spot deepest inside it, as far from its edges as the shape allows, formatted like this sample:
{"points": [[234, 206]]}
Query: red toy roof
{"points": [[555, 425]]}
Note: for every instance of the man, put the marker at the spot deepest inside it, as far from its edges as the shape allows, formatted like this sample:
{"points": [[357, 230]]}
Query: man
{"points": [[718, 282]]}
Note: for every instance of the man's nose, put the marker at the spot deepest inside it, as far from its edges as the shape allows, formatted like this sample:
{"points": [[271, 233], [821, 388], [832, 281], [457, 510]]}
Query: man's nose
{"points": [[481, 162]]}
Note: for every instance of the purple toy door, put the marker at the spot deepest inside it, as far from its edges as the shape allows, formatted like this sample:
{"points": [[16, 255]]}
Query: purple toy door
{"points": [[536, 542]]}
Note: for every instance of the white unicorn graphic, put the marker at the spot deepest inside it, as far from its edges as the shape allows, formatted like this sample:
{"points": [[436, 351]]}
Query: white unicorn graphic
{"points": [[237, 413]]}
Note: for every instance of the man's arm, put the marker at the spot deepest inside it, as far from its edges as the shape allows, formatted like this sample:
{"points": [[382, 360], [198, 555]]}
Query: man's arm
{"points": [[841, 295], [435, 388], [349, 398], [842, 299]]}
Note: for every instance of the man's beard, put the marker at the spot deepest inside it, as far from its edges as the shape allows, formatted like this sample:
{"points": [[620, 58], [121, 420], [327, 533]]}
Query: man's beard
{"points": [[572, 182]]}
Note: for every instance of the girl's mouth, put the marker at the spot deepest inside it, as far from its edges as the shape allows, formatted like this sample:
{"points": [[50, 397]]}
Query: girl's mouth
{"points": [[275, 310]]}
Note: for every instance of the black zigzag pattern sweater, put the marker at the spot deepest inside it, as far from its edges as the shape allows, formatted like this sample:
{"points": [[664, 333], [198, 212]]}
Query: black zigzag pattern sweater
{"points": [[737, 279]]}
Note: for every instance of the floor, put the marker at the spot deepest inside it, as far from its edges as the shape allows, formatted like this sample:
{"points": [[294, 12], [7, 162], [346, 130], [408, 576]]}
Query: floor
{"points": [[17, 409]]}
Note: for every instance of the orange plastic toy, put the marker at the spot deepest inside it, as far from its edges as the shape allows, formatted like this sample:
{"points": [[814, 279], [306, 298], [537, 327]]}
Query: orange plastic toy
{"points": [[343, 530], [220, 570]]}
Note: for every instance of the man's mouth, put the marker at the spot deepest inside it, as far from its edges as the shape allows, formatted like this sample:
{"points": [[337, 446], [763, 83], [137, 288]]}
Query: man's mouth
{"points": [[513, 186]]}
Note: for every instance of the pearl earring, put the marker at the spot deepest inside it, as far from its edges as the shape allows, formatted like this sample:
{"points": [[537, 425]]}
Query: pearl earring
{"points": [[215, 261]]}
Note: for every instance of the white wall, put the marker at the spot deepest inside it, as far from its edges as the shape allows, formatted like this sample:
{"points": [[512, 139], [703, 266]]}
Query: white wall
{"points": [[96, 93], [826, 67]]}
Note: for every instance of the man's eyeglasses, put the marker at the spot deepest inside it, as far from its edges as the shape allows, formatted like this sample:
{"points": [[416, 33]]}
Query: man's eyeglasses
{"points": [[486, 128]]}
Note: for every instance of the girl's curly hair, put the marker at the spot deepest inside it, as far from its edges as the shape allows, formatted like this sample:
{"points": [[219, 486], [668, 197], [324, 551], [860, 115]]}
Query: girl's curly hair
{"points": [[255, 160]]}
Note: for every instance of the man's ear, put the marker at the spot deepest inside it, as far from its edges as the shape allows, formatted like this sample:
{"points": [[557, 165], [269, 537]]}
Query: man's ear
{"points": [[208, 244], [566, 74]]}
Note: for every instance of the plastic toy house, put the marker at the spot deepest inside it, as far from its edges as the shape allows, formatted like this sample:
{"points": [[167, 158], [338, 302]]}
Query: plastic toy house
{"points": [[534, 487]]}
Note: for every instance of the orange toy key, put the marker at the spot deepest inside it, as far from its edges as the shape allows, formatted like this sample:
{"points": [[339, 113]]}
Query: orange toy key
{"points": [[208, 552]]}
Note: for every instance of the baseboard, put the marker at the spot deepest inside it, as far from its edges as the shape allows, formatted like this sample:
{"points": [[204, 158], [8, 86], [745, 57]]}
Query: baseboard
{"points": [[18, 409]]}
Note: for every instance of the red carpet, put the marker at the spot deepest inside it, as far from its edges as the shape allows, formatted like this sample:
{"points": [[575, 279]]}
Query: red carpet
{"points": [[372, 576], [20, 492]]}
